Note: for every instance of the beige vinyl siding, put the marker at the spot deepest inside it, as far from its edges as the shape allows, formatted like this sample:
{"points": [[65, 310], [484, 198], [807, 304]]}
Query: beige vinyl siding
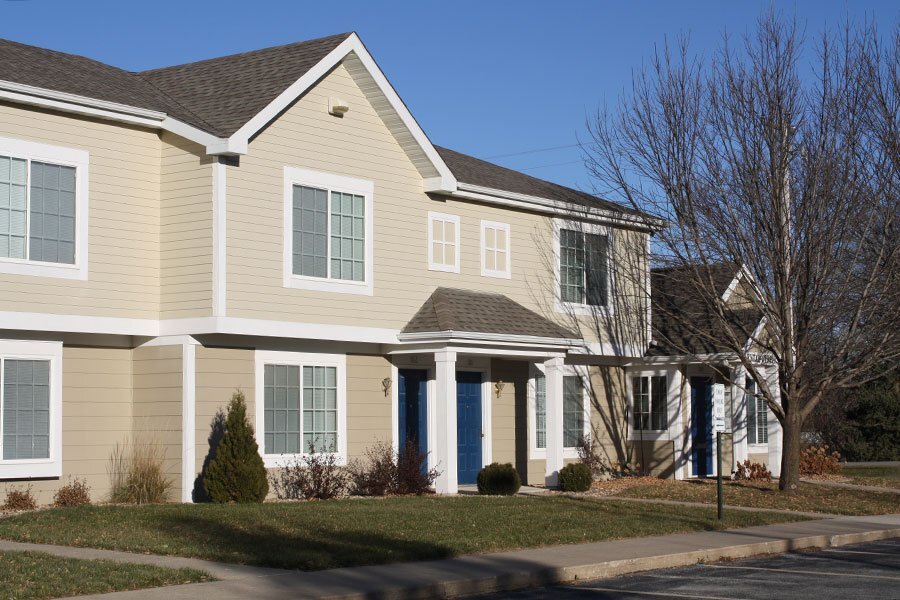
{"points": [[509, 424], [157, 384], [96, 416], [220, 372], [186, 224], [123, 238], [368, 409], [359, 145]]}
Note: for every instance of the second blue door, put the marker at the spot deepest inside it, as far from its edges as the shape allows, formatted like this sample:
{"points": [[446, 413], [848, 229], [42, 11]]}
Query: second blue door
{"points": [[701, 426], [468, 426]]}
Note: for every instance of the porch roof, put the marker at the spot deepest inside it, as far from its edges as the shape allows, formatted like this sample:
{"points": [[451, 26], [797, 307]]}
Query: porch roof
{"points": [[467, 311]]}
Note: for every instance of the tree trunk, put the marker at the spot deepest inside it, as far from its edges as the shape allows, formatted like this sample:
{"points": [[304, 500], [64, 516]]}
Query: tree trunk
{"points": [[791, 428]]}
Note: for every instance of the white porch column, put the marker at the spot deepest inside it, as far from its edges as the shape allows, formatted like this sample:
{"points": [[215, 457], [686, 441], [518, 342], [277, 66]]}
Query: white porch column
{"points": [[445, 410], [553, 371]]}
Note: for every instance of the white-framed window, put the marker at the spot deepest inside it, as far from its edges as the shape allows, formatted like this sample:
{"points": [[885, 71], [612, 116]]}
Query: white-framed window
{"points": [[757, 414], [328, 232], [43, 209], [652, 403], [649, 403], [495, 254], [443, 242], [30, 409], [576, 410], [301, 400], [583, 265]]}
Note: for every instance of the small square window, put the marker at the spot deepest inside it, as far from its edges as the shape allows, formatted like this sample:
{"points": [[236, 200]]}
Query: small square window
{"points": [[495, 252], [443, 242]]}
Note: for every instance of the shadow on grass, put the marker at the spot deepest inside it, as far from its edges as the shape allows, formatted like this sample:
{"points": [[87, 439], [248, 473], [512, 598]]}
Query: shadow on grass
{"points": [[307, 548]]}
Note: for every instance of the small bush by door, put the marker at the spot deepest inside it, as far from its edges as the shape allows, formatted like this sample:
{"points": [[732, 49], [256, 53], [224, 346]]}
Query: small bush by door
{"points": [[499, 480]]}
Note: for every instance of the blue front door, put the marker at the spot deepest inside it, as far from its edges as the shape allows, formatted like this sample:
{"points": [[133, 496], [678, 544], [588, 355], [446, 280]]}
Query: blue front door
{"points": [[701, 426], [413, 409], [468, 426]]}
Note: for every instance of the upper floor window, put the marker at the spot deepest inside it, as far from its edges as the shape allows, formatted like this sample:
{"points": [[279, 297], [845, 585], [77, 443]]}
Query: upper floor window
{"points": [[495, 259], [443, 242], [43, 193], [757, 414], [649, 403], [583, 267], [30, 409], [328, 233]]}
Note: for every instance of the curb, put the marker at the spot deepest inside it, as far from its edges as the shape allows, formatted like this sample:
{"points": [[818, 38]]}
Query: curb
{"points": [[550, 576]]}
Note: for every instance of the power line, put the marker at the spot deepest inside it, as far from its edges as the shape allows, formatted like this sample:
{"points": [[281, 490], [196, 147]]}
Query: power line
{"points": [[570, 162], [535, 151]]}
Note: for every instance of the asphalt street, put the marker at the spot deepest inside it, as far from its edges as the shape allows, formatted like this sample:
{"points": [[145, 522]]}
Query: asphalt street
{"points": [[866, 571]]}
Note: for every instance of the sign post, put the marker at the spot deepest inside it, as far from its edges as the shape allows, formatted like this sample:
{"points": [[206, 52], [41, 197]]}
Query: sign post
{"points": [[719, 427]]}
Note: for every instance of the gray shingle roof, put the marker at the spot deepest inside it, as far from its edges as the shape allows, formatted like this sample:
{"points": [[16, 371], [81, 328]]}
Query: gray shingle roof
{"points": [[475, 171], [72, 74], [221, 94], [452, 309], [227, 92], [674, 293]]}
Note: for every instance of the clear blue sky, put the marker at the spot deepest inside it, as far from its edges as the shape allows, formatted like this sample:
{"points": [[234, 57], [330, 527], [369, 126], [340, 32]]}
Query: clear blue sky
{"points": [[486, 78]]}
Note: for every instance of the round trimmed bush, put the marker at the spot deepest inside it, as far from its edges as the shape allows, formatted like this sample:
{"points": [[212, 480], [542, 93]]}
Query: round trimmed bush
{"points": [[575, 477], [498, 480]]}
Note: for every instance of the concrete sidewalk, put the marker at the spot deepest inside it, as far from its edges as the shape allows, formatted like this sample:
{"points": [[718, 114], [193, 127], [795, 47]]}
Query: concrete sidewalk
{"points": [[495, 572], [851, 486]]}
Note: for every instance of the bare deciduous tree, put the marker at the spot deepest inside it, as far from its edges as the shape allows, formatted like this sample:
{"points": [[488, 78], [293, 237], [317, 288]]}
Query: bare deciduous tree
{"points": [[794, 175]]}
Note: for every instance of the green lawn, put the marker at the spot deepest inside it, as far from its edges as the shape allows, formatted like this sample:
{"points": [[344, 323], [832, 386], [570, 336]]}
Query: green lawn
{"points": [[343, 533], [36, 576], [878, 476], [810, 497]]}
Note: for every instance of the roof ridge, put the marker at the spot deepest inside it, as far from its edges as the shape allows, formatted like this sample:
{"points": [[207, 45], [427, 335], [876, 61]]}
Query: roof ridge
{"points": [[345, 35]]}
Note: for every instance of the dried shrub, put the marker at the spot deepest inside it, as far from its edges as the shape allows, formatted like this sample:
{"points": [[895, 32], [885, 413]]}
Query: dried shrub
{"points": [[575, 477], [315, 476], [136, 474], [588, 455], [385, 472], [499, 480], [817, 460], [751, 471], [413, 476], [75, 493], [19, 500], [377, 475]]}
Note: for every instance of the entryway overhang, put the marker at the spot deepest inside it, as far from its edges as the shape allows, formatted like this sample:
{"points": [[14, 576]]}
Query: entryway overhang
{"points": [[455, 327]]}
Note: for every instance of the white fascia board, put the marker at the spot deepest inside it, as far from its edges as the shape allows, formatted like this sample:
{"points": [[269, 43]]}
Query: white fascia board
{"points": [[113, 111], [446, 182], [555, 207], [488, 338], [53, 98]]}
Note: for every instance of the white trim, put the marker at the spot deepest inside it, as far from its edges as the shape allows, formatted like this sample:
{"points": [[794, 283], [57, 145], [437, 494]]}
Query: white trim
{"points": [[113, 111], [557, 208], [445, 182], [330, 182], [443, 218], [395, 407], [300, 359], [451, 336], [57, 155], [188, 419], [584, 375], [219, 196], [572, 308], [496, 226], [52, 466], [535, 453], [673, 392]]}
